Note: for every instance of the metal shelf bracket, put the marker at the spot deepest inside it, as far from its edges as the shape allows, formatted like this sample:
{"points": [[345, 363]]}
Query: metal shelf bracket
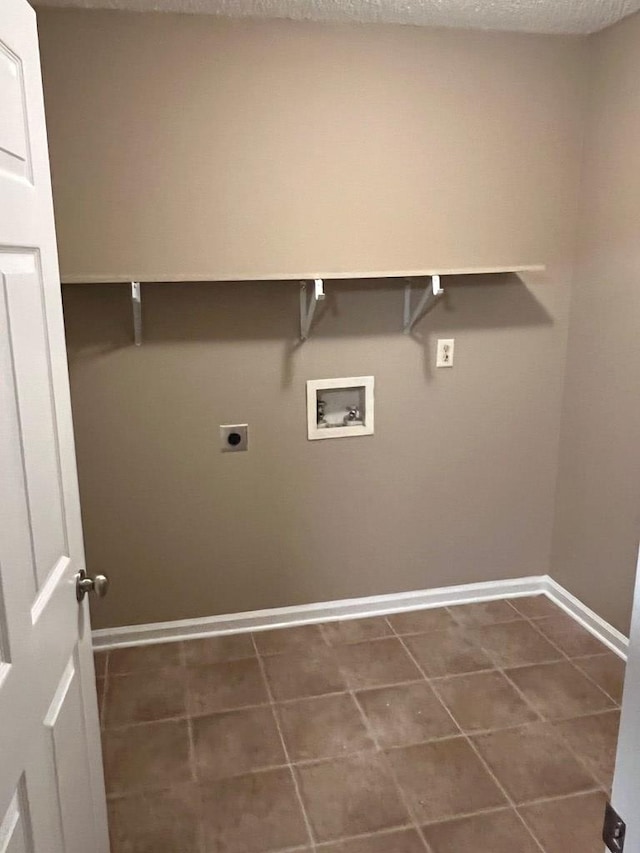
{"points": [[308, 307], [136, 304], [428, 299]]}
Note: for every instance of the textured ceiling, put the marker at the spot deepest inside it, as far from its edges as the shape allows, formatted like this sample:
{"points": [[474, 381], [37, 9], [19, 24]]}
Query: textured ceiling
{"points": [[543, 16]]}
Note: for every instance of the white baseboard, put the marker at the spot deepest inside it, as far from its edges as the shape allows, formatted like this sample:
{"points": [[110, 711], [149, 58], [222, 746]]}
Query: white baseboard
{"points": [[606, 633], [352, 608], [305, 614]]}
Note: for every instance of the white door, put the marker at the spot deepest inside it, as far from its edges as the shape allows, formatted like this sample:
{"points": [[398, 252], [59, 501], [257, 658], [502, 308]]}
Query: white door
{"points": [[625, 797], [51, 787]]}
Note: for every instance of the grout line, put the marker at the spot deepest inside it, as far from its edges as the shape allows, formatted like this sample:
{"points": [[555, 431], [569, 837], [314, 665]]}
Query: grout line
{"points": [[346, 690], [557, 734], [596, 789], [578, 716], [471, 744], [497, 667], [194, 776], [522, 695], [364, 836], [549, 722], [365, 720], [454, 721], [549, 800], [501, 669], [576, 663], [312, 841], [118, 795], [192, 749], [181, 718], [490, 810], [505, 807], [566, 657], [297, 849]]}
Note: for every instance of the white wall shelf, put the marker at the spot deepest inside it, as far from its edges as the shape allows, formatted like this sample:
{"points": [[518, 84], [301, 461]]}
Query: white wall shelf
{"points": [[309, 275], [430, 280]]}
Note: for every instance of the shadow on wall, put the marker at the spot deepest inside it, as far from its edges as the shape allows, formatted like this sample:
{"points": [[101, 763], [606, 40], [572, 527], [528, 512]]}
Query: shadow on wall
{"points": [[100, 316]]}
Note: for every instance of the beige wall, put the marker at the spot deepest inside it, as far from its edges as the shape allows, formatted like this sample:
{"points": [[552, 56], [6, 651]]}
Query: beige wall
{"points": [[598, 511], [186, 146], [402, 148], [455, 486]]}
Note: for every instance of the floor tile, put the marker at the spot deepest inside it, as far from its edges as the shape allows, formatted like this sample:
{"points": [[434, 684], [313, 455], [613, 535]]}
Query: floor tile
{"points": [[397, 841], [323, 727], [607, 671], [447, 653], [483, 701], [405, 714], [141, 697], [137, 658], [484, 613], [299, 675], [532, 763], [535, 606], [225, 788], [356, 630], [558, 690], [420, 621], [497, 832], [225, 686], [594, 739], [570, 637], [570, 825], [159, 822], [376, 663], [152, 755], [350, 796], [218, 649], [514, 643], [444, 779], [303, 638], [255, 813], [236, 742], [100, 663]]}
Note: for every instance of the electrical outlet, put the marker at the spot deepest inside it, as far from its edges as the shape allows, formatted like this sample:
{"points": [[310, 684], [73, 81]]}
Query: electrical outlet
{"points": [[444, 352], [234, 437]]}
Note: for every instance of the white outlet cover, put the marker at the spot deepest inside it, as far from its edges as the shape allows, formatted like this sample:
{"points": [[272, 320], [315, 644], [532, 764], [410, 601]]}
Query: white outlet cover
{"points": [[444, 352]]}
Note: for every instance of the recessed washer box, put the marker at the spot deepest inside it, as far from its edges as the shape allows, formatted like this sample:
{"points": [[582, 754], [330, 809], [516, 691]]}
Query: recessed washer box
{"points": [[340, 408]]}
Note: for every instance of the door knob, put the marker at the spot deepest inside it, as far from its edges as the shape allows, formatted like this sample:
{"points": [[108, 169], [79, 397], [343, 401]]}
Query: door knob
{"points": [[85, 584]]}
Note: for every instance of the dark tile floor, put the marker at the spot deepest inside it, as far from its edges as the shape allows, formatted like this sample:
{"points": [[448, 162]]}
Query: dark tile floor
{"points": [[487, 728]]}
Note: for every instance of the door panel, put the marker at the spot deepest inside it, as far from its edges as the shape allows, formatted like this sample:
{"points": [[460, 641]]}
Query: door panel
{"points": [[65, 723], [15, 829], [52, 796], [14, 148], [626, 780], [32, 371]]}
